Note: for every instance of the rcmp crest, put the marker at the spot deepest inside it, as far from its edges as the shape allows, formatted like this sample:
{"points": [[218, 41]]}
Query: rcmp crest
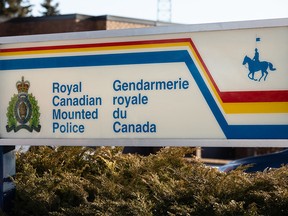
{"points": [[23, 110]]}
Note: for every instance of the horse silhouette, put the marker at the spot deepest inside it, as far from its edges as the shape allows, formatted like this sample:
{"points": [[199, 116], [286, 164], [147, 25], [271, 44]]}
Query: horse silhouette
{"points": [[255, 66]]}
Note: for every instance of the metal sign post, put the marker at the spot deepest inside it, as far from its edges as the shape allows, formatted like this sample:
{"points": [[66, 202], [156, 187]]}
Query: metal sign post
{"points": [[7, 171], [1, 177]]}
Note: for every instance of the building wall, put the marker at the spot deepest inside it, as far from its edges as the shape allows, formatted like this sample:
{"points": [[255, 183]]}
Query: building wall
{"points": [[68, 23], [124, 25]]}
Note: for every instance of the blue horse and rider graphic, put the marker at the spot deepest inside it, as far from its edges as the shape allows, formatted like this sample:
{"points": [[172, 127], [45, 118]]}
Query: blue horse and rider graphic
{"points": [[255, 65]]}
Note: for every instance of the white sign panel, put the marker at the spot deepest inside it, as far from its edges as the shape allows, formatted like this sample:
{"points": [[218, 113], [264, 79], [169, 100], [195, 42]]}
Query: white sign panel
{"points": [[198, 85]]}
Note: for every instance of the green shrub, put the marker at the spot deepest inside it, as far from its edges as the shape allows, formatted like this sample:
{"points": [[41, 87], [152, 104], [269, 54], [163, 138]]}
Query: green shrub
{"points": [[103, 181]]}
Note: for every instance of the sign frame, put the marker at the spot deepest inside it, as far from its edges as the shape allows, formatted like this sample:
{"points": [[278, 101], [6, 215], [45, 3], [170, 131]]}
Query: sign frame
{"points": [[174, 29]]}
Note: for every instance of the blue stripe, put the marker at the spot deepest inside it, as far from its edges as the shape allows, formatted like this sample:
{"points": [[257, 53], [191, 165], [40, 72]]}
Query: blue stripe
{"points": [[92, 60], [257, 132], [230, 131]]}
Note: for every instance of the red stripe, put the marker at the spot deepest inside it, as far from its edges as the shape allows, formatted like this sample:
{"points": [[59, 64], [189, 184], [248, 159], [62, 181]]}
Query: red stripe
{"points": [[226, 97], [79, 46], [254, 96]]}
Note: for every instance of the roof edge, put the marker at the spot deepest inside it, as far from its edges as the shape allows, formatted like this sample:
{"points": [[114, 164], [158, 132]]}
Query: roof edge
{"points": [[179, 28]]}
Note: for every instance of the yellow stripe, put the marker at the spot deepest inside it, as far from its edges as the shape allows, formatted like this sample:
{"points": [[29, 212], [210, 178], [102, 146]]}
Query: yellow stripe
{"points": [[262, 107]]}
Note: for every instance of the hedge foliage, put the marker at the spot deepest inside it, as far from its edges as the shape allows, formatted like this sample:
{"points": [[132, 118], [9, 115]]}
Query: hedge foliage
{"points": [[84, 181]]}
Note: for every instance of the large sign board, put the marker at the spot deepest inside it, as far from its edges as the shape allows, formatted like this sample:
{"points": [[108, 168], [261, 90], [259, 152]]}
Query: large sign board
{"points": [[181, 84]]}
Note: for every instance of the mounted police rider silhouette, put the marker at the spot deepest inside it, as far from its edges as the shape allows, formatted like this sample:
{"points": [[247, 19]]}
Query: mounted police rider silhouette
{"points": [[255, 65]]}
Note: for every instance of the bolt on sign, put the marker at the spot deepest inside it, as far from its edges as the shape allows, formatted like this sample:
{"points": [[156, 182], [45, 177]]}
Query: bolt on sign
{"points": [[179, 85]]}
